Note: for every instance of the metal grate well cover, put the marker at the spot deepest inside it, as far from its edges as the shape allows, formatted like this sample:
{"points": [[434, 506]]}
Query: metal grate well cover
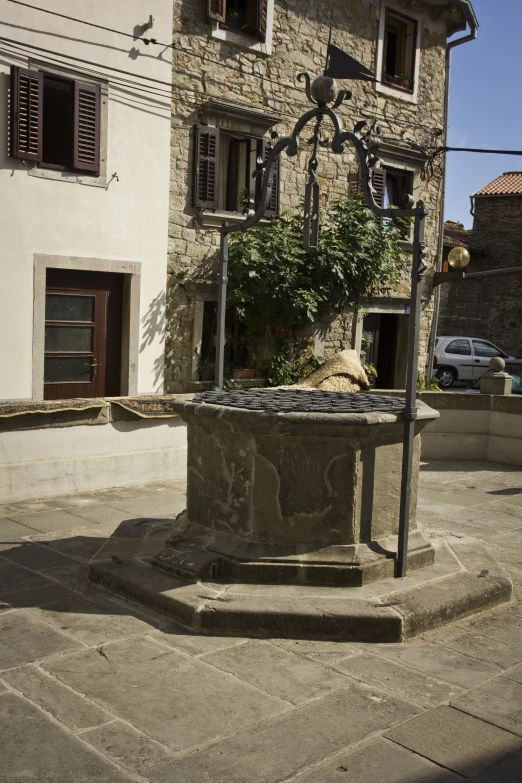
{"points": [[298, 400]]}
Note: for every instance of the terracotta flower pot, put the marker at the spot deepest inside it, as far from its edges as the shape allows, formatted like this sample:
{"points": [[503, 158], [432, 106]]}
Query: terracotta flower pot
{"points": [[300, 332], [243, 373], [278, 330], [207, 376]]}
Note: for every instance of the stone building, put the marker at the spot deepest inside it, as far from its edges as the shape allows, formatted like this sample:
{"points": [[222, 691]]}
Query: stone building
{"points": [[234, 82], [488, 302]]}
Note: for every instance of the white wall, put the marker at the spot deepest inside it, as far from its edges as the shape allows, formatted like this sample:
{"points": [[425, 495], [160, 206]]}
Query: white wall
{"points": [[485, 435], [126, 221], [62, 461]]}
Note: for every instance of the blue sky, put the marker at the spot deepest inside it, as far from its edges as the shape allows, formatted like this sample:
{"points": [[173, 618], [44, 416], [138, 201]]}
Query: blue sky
{"points": [[485, 104]]}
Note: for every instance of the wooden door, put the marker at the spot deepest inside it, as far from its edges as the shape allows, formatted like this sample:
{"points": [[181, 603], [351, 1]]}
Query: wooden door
{"points": [[82, 335]]}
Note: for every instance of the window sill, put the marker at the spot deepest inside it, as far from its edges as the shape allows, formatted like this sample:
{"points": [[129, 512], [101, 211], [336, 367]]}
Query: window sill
{"points": [[397, 92], [216, 219], [68, 176]]}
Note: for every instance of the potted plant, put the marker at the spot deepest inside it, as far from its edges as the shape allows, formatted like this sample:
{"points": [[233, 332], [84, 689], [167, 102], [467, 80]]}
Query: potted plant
{"points": [[206, 370], [249, 371], [244, 373], [399, 80]]}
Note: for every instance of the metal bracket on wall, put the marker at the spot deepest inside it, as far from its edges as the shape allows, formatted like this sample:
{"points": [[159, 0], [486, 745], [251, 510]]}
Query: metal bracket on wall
{"points": [[448, 277]]}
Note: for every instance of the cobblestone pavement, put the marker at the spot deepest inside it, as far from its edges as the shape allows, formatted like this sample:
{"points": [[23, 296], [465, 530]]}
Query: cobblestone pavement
{"points": [[93, 689]]}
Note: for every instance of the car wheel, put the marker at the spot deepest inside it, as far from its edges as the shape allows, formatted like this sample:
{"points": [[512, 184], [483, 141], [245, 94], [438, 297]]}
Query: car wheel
{"points": [[446, 377]]}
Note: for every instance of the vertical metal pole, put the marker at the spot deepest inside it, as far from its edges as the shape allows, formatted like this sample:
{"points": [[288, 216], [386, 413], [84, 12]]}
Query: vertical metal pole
{"points": [[221, 310], [410, 409]]}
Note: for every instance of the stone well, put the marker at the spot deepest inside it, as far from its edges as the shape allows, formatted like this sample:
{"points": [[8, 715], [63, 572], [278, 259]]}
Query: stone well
{"points": [[294, 487]]}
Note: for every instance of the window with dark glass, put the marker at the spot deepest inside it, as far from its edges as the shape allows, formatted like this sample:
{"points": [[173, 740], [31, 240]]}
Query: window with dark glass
{"points": [[246, 16], [482, 348], [55, 121], [69, 337], [400, 37], [224, 163], [459, 347], [236, 347], [399, 183]]}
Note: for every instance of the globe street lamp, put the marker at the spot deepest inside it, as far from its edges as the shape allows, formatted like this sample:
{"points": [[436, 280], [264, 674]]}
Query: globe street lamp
{"points": [[458, 259]]}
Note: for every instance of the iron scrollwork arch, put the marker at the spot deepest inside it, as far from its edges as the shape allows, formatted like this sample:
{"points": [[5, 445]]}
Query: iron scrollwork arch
{"points": [[363, 138]]}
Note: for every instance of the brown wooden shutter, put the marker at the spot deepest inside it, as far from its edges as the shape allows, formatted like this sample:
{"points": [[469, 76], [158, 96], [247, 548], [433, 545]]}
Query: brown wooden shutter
{"points": [[264, 146], [86, 127], [262, 15], [378, 180], [26, 114], [217, 9], [206, 167]]}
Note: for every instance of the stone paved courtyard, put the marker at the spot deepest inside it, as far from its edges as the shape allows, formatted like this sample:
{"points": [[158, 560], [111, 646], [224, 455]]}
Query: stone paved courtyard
{"points": [[94, 689]]}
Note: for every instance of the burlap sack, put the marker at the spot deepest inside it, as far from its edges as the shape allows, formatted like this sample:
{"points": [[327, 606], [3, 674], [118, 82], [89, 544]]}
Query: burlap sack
{"points": [[342, 372]]}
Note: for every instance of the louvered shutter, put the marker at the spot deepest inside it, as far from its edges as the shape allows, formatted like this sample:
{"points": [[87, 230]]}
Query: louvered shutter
{"points": [[206, 164], [262, 17], [378, 180], [26, 114], [86, 127], [263, 150], [217, 9]]}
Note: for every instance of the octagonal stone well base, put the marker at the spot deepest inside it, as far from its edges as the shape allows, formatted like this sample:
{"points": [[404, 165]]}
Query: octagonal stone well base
{"points": [[291, 497], [463, 581]]}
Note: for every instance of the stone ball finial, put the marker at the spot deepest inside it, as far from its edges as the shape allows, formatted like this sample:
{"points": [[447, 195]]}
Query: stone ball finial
{"points": [[324, 90], [497, 364]]}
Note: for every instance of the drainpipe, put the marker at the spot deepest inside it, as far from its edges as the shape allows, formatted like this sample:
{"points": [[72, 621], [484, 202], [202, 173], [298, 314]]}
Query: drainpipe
{"points": [[471, 19]]}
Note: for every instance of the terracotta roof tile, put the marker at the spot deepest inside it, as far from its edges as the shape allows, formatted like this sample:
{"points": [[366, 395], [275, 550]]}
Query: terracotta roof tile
{"points": [[455, 235], [509, 184]]}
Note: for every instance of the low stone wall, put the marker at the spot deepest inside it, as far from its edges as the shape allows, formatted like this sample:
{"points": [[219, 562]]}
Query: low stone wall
{"points": [[50, 453], [474, 427]]}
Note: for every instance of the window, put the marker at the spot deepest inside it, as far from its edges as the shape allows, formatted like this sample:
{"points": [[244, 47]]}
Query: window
{"points": [[486, 349], [389, 185], [245, 16], [398, 183], [55, 121], [400, 40], [224, 162], [459, 347]]}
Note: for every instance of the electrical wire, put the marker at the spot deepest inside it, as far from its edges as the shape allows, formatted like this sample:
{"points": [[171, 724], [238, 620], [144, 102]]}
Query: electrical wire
{"points": [[441, 150], [73, 19], [62, 55], [181, 87], [154, 41], [175, 47]]}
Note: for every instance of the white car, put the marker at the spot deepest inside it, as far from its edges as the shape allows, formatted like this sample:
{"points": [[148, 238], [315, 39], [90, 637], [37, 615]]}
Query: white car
{"points": [[462, 359]]}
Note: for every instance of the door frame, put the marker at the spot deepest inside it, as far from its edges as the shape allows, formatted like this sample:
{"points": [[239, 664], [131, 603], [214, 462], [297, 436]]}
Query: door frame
{"points": [[131, 314]]}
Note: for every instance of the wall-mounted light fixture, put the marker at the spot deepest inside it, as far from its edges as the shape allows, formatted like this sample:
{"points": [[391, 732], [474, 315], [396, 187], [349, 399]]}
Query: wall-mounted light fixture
{"points": [[148, 23], [458, 259]]}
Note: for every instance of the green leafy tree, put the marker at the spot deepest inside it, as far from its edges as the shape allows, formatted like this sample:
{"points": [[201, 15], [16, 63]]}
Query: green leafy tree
{"points": [[275, 282]]}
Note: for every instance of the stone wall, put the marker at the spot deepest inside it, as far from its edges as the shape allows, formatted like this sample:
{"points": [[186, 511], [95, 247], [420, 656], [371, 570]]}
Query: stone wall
{"points": [[497, 228], [268, 84], [490, 304]]}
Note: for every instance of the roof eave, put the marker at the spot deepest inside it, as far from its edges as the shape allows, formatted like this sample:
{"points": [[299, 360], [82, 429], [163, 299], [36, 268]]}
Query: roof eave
{"points": [[458, 14]]}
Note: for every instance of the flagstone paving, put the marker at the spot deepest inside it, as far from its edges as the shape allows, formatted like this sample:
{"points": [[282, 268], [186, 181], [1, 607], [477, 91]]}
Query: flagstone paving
{"points": [[93, 688]]}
